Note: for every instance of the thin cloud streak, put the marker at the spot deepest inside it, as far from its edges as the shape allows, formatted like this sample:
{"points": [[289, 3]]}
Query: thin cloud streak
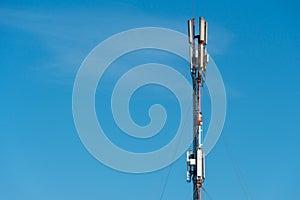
{"points": [[71, 34]]}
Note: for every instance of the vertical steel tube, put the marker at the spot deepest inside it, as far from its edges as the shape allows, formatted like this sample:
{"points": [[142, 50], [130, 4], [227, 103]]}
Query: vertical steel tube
{"points": [[198, 61]]}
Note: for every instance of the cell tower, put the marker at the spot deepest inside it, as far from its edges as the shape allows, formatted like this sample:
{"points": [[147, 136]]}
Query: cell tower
{"points": [[198, 61]]}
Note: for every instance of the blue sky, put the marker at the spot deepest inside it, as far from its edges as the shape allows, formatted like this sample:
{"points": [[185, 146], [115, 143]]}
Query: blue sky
{"points": [[43, 43]]}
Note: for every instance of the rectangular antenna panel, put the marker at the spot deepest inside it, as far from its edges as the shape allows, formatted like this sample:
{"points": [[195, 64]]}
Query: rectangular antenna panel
{"points": [[191, 30], [202, 29], [206, 34]]}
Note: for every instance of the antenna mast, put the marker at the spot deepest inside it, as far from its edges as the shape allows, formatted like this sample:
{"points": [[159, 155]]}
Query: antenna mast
{"points": [[198, 61]]}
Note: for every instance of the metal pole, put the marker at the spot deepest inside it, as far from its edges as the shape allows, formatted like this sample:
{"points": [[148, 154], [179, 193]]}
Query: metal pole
{"points": [[198, 62]]}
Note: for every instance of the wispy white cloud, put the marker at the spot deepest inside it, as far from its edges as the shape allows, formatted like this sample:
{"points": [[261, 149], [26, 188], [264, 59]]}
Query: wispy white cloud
{"points": [[70, 34], [220, 39]]}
